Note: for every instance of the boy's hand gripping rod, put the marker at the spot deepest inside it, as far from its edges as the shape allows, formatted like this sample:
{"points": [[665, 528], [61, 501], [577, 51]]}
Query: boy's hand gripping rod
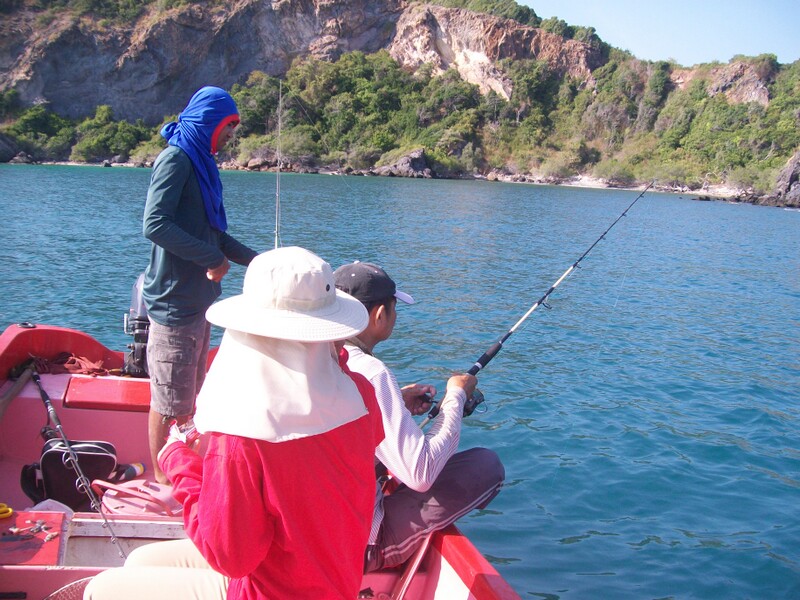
{"points": [[477, 397]]}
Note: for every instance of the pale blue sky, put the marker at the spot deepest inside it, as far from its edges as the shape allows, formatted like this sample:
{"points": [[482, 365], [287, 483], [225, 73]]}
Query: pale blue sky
{"points": [[688, 31]]}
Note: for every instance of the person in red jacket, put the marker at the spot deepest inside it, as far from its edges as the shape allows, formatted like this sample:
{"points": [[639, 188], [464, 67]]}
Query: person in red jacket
{"points": [[281, 501]]}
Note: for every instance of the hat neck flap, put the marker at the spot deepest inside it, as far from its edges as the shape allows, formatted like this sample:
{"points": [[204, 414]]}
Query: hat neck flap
{"points": [[275, 390]]}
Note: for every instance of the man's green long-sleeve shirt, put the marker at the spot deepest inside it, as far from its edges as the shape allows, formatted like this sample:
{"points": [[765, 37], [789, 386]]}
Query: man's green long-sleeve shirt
{"points": [[185, 246]]}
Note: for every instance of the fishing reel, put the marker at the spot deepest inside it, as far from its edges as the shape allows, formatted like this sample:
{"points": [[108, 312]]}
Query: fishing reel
{"points": [[473, 401], [470, 405]]}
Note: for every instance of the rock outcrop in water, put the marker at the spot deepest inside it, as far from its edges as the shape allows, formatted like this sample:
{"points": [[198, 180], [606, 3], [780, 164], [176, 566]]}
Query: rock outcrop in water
{"points": [[414, 164], [787, 191]]}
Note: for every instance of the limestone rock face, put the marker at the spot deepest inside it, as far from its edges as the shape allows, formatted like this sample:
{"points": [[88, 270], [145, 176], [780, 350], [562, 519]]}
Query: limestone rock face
{"points": [[473, 43], [150, 70], [787, 191], [739, 81]]}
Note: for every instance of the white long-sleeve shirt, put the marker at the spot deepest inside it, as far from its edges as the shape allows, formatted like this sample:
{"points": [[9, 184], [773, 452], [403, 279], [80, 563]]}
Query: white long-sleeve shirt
{"points": [[413, 456]]}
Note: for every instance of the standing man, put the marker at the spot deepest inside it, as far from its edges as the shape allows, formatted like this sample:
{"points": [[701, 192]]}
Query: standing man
{"points": [[437, 485], [184, 218]]}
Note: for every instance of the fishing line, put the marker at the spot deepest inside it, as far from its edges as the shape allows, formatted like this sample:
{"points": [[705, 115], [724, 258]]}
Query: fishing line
{"points": [[316, 128], [477, 397], [619, 289], [296, 99]]}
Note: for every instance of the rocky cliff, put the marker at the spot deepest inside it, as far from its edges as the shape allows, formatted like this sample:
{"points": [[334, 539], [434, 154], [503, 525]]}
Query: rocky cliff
{"points": [[738, 81], [787, 190], [148, 70], [474, 43]]}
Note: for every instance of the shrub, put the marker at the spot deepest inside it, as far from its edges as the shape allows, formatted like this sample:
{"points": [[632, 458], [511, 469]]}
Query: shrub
{"points": [[614, 172]]}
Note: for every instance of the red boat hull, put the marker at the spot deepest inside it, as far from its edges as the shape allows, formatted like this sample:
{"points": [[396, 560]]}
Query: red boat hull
{"points": [[114, 408]]}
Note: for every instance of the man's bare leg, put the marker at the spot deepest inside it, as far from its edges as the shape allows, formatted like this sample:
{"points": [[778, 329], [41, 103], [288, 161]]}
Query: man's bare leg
{"points": [[157, 431]]}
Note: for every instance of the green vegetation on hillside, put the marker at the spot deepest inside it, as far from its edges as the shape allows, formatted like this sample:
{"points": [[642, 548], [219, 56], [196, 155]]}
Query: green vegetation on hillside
{"points": [[507, 9], [119, 11], [365, 110]]}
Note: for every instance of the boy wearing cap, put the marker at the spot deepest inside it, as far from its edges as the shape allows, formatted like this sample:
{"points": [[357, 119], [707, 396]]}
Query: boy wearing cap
{"points": [[281, 502], [184, 218], [438, 485]]}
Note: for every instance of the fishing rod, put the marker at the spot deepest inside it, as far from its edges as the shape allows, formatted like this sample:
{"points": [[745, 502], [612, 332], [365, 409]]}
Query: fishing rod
{"points": [[278, 172], [71, 460], [477, 396]]}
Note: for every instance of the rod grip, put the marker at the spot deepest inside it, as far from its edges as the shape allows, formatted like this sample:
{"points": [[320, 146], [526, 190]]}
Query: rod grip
{"points": [[485, 358], [433, 412]]}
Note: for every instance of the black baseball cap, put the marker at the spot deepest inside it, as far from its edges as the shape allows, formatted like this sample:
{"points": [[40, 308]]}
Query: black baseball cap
{"points": [[368, 282]]}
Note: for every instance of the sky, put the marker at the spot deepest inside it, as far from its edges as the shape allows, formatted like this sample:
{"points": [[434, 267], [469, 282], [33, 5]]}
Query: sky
{"points": [[688, 31]]}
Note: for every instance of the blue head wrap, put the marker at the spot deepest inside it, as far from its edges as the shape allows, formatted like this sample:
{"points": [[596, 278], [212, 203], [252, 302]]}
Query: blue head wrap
{"points": [[196, 133]]}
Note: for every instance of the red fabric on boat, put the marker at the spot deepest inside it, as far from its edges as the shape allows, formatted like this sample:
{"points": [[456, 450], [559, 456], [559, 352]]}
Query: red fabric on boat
{"points": [[66, 362], [26, 548], [20, 343]]}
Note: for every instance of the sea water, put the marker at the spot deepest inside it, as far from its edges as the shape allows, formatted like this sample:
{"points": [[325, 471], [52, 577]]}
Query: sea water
{"points": [[648, 419]]}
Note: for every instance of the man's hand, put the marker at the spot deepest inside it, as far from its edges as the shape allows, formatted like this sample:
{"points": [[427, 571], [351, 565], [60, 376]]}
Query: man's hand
{"points": [[418, 398], [181, 433], [218, 272], [466, 382]]}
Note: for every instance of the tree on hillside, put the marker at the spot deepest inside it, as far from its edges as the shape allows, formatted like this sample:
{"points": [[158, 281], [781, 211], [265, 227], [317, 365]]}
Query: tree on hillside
{"points": [[507, 9], [43, 134], [102, 137]]}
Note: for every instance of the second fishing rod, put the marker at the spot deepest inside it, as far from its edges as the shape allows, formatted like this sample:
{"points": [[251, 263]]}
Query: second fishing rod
{"points": [[477, 398]]}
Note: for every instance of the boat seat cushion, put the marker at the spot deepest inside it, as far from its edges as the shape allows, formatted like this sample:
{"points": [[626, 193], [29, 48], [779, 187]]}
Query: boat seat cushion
{"points": [[108, 393]]}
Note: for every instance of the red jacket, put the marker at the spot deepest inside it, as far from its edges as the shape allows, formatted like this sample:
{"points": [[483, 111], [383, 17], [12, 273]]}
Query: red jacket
{"points": [[283, 520]]}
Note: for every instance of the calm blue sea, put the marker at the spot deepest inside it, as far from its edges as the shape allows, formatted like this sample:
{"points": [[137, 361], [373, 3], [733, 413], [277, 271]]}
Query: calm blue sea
{"points": [[649, 421]]}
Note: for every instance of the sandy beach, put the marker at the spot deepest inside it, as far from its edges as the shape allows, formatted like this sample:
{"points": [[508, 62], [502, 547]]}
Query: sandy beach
{"points": [[714, 191]]}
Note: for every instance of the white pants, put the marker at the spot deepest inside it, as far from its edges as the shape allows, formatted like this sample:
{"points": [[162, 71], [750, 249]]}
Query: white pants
{"points": [[160, 571]]}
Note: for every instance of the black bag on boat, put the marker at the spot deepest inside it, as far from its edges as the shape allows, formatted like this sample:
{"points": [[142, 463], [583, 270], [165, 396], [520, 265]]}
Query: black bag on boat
{"points": [[53, 476]]}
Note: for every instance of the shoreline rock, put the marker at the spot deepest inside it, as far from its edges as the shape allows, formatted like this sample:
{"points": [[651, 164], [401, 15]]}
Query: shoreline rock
{"points": [[710, 193], [414, 165]]}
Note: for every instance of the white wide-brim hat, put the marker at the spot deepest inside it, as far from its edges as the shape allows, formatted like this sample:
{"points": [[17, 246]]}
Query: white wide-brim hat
{"points": [[289, 294]]}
